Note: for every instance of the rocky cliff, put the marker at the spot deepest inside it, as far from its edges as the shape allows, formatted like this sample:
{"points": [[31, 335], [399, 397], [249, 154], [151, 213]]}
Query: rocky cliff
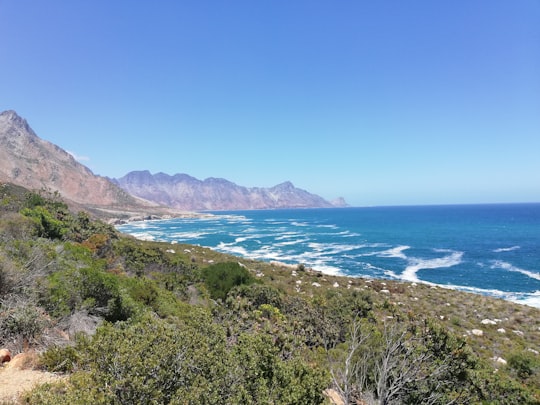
{"points": [[182, 191], [31, 162]]}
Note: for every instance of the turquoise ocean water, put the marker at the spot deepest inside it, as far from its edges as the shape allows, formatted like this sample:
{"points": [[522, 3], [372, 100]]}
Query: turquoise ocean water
{"points": [[487, 249]]}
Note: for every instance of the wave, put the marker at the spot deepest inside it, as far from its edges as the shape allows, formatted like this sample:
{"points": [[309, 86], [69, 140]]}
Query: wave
{"points": [[187, 235], [507, 266], [291, 242], [287, 235], [143, 236], [396, 252], [327, 226], [530, 299], [508, 249], [415, 264]]}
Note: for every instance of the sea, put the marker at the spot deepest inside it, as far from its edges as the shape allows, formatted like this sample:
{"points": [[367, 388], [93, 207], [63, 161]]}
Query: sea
{"points": [[486, 249]]}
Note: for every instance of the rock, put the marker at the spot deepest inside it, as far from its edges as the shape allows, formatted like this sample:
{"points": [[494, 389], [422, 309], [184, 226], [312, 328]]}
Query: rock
{"points": [[170, 251], [5, 356], [488, 322], [518, 332], [499, 360], [336, 285], [501, 330], [477, 332], [315, 284], [385, 291]]}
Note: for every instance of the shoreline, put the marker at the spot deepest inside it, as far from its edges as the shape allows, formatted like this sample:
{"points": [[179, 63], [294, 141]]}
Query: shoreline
{"points": [[528, 302]]}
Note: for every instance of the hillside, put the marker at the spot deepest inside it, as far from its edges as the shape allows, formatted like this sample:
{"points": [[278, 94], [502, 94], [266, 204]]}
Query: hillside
{"points": [[188, 193], [36, 164], [127, 321]]}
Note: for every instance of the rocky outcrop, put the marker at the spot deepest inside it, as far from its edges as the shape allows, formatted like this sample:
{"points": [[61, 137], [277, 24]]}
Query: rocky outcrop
{"points": [[31, 162], [5, 356], [184, 192]]}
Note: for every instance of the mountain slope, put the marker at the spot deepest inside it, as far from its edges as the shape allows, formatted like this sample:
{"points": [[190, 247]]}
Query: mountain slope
{"points": [[182, 191], [34, 163]]}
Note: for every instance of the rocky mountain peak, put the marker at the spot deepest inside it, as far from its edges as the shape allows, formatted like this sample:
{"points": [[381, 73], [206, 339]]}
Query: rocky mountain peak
{"points": [[34, 163], [11, 124]]}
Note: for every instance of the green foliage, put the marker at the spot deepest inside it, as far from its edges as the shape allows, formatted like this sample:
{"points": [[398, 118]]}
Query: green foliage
{"points": [[22, 323], [84, 285], [220, 278], [83, 228], [525, 364], [262, 342], [16, 226], [498, 389], [60, 359], [153, 361], [255, 295], [147, 257], [268, 379], [50, 215], [47, 226]]}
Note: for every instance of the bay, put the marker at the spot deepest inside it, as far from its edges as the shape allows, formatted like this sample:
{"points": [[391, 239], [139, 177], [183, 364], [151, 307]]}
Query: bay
{"points": [[487, 249]]}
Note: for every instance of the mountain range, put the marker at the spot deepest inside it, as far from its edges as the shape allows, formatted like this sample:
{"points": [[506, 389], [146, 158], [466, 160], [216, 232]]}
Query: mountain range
{"points": [[29, 161], [186, 192]]}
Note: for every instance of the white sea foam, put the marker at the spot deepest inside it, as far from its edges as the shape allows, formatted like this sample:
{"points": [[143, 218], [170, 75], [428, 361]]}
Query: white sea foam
{"points": [[415, 264], [288, 235], [296, 223], [327, 226], [143, 235], [507, 266], [291, 242], [508, 249], [187, 235], [532, 300], [396, 252], [230, 248]]}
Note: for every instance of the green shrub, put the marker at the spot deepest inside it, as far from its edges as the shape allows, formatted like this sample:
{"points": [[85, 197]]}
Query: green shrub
{"points": [[524, 364], [220, 278], [47, 226], [256, 295]]}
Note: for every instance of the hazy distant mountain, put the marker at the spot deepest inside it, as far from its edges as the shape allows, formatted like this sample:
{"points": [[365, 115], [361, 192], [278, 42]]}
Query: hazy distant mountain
{"points": [[182, 191], [31, 162]]}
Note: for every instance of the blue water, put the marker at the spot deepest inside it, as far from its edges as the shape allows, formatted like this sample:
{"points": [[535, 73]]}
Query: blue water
{"points": [[487, 249]]}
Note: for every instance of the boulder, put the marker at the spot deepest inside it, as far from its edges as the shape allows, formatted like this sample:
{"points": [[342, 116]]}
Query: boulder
{"points": [[5, 356], [488, 322], [477, 332]]}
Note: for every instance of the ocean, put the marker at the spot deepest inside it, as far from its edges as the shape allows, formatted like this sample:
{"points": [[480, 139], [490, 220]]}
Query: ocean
{"points": [[487, 249]]}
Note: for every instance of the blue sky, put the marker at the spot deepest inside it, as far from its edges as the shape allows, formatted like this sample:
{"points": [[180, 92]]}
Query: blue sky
{"points": [[381, 102]]}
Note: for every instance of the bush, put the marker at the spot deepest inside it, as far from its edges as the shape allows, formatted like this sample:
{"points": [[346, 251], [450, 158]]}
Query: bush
{"points": [[222, 277], [47, 226]]}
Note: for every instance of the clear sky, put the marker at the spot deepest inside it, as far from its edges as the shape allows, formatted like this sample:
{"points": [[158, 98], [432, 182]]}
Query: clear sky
{"points": [[381, 102]]}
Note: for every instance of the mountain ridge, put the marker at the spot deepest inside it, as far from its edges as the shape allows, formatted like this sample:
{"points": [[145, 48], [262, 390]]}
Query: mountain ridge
{"points": [[27, 160], [183, 191]]}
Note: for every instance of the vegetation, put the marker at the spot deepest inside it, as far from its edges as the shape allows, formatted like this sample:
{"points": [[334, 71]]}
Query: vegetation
{"points": [[128, 321]]}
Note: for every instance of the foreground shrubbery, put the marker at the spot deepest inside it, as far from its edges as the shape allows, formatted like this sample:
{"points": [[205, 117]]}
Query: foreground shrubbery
{"points": [[247, 340], [155, 361]]}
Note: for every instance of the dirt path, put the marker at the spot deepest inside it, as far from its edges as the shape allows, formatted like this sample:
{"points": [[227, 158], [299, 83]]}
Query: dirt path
{"points": [[15, 380]]}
